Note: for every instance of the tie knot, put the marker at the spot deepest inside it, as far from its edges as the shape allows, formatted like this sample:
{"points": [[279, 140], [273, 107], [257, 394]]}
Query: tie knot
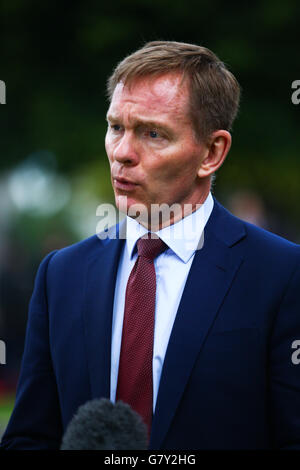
{"points": [[149, 247]]}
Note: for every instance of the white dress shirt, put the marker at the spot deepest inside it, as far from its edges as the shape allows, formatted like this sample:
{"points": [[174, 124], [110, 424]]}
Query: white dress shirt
{"points": [[172, 268]]}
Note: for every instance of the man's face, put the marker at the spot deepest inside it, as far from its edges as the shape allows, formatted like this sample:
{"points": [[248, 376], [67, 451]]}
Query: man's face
{"points": [[153, 153]]}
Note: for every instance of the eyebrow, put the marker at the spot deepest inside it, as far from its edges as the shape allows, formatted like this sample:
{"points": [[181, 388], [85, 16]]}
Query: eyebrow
{"points": [[143, 122]]}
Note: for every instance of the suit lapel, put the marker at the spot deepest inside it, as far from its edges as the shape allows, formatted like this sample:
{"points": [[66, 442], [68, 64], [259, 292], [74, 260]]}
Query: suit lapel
{"points": [[210, 277], [100, 287]]}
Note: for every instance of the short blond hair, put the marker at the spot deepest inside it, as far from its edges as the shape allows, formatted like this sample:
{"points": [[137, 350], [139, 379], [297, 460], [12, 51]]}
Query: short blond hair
{"points": [[214, 91]]}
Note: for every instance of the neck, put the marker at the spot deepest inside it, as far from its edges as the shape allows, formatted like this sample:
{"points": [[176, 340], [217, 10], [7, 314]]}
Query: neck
{"points": [[163, 215]]}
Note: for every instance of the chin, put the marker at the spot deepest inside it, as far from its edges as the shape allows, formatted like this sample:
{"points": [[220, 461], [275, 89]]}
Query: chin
{"points": [[125, 203], [133, 208]]}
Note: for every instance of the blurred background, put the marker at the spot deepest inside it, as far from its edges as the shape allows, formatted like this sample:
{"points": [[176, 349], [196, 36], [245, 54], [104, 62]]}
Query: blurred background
{"points": [[55, 58]]}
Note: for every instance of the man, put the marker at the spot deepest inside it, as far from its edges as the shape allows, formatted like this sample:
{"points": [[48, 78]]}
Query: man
{"points": [[198, 337]]}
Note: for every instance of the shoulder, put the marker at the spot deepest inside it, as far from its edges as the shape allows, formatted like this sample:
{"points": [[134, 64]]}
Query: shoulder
{"points": [[275, 254], [255, 242], [269, 239], [82, 249], [73, 258]]}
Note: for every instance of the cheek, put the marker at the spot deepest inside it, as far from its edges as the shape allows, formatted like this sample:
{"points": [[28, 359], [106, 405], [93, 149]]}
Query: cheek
{"points": [[109, 149], [168, 168], [106, 143]]}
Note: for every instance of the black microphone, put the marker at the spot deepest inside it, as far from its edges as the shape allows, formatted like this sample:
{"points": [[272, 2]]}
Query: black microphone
{"points": [[100, 424]]}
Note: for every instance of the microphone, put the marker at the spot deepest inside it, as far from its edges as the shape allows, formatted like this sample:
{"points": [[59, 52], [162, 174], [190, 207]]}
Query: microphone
{"points": [[100, 424]]}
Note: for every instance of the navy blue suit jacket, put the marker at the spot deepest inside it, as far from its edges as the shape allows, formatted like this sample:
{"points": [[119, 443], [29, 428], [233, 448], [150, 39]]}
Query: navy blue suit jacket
{"points": [[228, 379]]}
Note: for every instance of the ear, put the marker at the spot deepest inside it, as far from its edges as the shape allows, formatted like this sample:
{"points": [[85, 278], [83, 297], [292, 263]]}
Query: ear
{"points": [[218, 146]]}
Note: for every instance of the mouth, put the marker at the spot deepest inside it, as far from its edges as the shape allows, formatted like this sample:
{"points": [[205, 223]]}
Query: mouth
{"points": [[124, 184]]}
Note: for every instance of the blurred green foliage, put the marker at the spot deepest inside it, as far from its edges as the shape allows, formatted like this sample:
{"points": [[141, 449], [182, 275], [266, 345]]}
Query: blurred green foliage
{"points": [[57, 56], [6, 407]]}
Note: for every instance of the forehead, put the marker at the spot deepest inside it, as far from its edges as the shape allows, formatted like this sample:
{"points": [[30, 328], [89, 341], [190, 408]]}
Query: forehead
{"points": [[167, 94]]}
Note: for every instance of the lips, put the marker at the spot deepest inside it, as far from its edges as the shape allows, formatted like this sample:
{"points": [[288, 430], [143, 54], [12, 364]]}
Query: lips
{"points": [[124, 184]]}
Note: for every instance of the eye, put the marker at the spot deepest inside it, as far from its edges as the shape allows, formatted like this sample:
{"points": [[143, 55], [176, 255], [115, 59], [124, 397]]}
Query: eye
{"points": [[154, 134], [115, 127]]}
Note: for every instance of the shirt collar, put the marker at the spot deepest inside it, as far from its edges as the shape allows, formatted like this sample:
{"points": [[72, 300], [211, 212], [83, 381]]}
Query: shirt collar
{"points": [[182, 238]]}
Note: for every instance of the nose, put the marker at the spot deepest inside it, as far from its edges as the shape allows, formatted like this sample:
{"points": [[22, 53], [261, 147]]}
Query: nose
{"points": [[125, 151]]}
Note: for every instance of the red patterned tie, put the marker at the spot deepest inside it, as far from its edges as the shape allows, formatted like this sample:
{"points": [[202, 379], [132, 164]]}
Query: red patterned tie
{"points": [[135, 366]]}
